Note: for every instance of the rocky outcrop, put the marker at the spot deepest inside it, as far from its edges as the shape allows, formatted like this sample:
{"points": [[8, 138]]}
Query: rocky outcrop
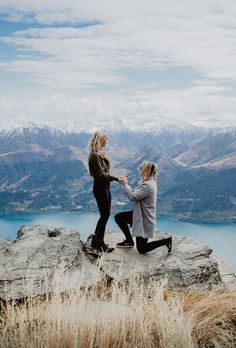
{"points": [[189, 264], [227, 275], [43, 260]]}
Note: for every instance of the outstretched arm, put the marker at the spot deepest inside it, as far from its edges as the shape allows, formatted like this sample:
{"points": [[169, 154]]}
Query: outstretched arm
{"points": [[134, 194], [138, 193]]}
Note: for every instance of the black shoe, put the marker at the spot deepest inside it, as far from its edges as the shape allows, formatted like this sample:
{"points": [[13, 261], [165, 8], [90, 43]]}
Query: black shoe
{"points": [[99, 245], [95, 241], [89, 249], [106, 249], [169, 244], [125, 244]]}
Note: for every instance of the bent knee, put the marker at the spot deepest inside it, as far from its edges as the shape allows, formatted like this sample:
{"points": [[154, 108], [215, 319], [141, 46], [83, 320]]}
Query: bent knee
{"points": [[141, 250], [117, 217]]}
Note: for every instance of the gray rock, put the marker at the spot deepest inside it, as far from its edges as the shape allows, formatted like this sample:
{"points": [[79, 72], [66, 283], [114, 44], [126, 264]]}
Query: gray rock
{"points": [[227, 275], [44, 260], [189, 264]]}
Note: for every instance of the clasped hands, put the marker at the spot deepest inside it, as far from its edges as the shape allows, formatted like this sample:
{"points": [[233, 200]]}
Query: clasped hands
{"points": [[123, 179]]}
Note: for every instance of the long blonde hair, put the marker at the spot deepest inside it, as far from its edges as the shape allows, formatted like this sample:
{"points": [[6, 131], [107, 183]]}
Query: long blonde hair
{"points": [[148, 170], [94, 143]]}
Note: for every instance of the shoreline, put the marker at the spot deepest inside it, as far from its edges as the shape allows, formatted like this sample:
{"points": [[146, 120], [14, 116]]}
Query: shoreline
{"points": [[176, 217], [200, 221]]}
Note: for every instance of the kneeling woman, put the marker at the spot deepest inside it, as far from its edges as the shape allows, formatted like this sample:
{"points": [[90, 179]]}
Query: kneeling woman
{"points": [[143, 217]]}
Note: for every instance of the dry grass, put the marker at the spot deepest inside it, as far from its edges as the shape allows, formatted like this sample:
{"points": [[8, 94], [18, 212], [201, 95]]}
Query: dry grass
{"points": [[122, 315]]}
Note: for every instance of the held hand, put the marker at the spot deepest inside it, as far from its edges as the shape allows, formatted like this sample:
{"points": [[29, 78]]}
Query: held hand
{"points": [[123, 179], [120, 180]]}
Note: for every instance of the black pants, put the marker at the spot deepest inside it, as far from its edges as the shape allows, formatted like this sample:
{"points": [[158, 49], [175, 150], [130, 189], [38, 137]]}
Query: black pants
{"points": [[123, 220], [102, 194]]}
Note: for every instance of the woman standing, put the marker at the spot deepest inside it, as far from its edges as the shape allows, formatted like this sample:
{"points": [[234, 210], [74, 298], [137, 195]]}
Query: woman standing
{"points": [[99, 167], [143, 217]]}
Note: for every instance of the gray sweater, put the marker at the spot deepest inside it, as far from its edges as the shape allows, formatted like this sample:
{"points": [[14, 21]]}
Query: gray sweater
{"points": [[144, 213]]}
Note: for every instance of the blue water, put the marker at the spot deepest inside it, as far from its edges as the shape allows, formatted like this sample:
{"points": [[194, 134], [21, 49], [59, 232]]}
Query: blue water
{"points": [[221, 238]]}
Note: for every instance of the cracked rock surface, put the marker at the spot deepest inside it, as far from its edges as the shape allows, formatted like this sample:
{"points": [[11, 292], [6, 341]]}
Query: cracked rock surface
{"points": [[189, 264], [44, 260]]}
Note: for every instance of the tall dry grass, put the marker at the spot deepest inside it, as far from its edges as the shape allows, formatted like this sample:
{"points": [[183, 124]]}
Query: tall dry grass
{"points": [[122, 315]]}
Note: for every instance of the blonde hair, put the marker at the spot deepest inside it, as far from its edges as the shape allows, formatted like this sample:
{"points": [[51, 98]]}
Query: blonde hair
{"points": [[94, 143], [148, 170]]}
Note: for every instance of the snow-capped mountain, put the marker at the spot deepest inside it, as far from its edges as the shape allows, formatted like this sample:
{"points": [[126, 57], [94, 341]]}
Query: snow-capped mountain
{"points": [[148, 124], [43, 167]]}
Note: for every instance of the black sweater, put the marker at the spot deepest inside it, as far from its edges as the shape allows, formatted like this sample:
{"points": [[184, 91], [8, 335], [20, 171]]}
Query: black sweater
{"points": [[99, 167]]}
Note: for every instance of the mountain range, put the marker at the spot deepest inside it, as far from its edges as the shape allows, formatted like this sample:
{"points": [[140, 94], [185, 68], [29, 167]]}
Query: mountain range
{"points": [[44, 168]]}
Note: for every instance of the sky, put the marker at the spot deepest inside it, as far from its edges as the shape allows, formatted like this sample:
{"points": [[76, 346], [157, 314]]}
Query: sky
{"points": [[66, 61]]}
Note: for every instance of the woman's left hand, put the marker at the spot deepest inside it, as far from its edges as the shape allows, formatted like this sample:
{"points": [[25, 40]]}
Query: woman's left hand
{"points": [[103, 155]]}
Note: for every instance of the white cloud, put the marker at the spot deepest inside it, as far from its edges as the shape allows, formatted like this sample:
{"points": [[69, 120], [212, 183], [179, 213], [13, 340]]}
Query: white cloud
{"points": [[204, 43], [70, 64], [199, 105]]}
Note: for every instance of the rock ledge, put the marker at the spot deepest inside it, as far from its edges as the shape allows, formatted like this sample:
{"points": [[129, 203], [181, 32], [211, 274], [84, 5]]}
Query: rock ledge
{"points": [[43, 260]]}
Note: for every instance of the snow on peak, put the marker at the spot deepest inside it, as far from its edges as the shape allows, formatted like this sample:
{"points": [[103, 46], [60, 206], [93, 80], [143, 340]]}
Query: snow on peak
{"points": [[149, 124]]}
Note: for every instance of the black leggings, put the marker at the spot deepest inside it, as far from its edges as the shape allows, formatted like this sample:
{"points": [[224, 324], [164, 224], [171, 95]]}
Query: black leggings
{"points": [[123, 220], [103, 197]]}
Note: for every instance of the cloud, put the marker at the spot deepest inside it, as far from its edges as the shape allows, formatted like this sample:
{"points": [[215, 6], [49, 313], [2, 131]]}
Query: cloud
{"points": [[198, 105], [58, 11], [205, 43], [84, 48]]}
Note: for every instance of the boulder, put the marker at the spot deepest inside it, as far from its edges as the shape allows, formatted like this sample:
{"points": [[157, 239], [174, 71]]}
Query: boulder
{"points": [[189, 264], [44, 260], [52, 260]]}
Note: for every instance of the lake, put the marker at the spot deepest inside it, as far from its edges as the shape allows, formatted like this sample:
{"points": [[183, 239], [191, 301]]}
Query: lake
{"points": [[220, 237]]}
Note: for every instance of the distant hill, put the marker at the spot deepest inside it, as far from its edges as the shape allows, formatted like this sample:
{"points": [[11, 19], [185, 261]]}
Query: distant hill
{"points": [[42, 168], [209, 149], [40, 179]]}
